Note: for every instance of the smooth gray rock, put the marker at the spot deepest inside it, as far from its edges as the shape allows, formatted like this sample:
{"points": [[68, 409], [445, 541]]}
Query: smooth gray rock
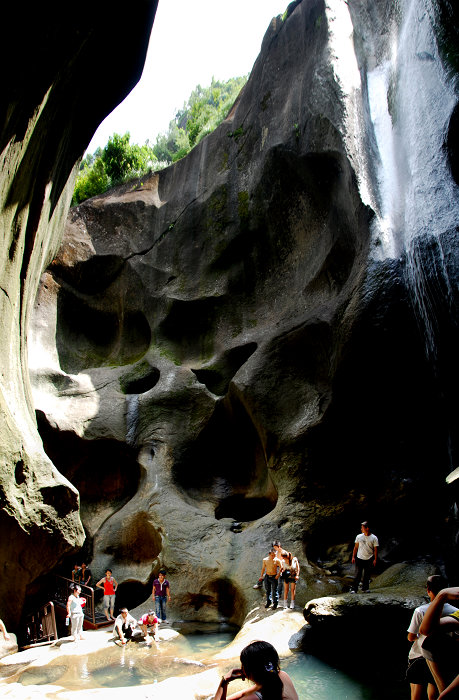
{"points": [[265, 332]]}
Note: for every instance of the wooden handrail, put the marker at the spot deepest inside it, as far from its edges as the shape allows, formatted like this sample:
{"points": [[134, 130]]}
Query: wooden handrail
{"points": [[41, 626]]}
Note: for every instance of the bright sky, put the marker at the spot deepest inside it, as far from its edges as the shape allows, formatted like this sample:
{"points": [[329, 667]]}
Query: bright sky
{"points": [[191, 41]]}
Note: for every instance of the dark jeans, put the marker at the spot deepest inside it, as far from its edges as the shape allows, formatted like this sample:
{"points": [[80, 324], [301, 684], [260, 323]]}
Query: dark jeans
{"points": [[280, 588], [272, 595], [160, 607], [127, 631], [363, 566]]}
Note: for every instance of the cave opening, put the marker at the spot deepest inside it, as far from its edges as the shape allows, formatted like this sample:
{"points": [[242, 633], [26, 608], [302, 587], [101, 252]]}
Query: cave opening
{"points": [[226, 465], [131, 593], [105, 472]]}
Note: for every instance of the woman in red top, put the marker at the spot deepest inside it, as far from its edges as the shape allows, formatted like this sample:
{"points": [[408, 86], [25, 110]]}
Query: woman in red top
{"points": [[109, 585]]}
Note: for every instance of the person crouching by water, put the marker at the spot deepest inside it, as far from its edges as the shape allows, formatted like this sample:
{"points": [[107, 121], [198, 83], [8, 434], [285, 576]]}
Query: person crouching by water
{"points": [[124, 625], [75, 612], [260, 664], [149, 620]]}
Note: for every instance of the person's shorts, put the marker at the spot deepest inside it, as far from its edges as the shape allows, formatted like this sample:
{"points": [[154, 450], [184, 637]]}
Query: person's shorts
{"points": [[418, 672], [109, 601]]}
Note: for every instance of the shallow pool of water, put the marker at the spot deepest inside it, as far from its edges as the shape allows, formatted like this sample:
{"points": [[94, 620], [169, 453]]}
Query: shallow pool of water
{"points": [[316, 680], [136, 664]]}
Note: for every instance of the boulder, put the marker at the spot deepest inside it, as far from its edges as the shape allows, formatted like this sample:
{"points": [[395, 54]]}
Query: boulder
{"points": [[342, 628]]}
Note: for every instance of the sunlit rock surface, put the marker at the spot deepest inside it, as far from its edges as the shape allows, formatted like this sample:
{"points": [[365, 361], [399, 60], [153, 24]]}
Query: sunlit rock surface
{"points": [[265, 333], [52, 102]]}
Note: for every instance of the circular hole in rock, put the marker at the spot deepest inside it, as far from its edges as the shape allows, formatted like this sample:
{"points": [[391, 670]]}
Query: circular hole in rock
{"points": [[19, 474], [93, 337], [139, 379], [103, 471], [239, 507], [137, 540], [131, 594], [230, 603], [226, 464]]}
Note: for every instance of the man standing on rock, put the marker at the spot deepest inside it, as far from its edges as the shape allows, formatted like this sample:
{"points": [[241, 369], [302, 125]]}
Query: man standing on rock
{"points": [[273, 567], [364, 556], [280, 553]]}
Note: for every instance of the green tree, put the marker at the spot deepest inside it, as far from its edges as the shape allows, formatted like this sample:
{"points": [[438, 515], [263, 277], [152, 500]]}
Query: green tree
{"points": [[123, 159], [91, 180], [205, 109], [120, 160]]}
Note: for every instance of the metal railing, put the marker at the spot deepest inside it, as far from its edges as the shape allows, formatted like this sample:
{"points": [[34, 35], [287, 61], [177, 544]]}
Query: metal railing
{"points": [[63, 590], [40, 626]]}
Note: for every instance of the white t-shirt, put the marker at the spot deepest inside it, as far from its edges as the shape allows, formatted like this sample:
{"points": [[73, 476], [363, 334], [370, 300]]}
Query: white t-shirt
{"points": [[415, 624], [367, 544], [120, 621]]}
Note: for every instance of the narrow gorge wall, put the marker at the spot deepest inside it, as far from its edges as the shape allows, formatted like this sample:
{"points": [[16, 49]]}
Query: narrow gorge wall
{"points": [[265, 332], [55, 92]]}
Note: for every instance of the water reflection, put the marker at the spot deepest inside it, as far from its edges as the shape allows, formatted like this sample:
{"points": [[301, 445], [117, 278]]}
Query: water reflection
{"points": [[42, 675], [132, 665], [137, 664]]}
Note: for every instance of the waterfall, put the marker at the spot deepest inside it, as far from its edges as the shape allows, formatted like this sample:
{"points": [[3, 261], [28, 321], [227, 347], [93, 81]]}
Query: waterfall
{"points": [[411, 99], [426, 99]]}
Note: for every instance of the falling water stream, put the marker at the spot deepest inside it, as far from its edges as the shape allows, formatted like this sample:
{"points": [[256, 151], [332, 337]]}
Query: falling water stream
{"points": [[411, 99]]}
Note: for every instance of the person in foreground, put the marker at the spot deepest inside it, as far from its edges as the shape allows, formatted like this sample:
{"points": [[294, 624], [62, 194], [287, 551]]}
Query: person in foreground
{"points": [[441, 645], [259, 664]]}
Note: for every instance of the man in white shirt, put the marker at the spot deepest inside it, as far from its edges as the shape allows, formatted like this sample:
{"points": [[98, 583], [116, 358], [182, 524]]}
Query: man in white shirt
{"points": [[124, 625], [364, 556]]}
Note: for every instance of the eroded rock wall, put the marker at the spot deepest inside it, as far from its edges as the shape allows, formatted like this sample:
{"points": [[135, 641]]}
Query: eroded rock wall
{"points": [[53, 99], [238, 337]]}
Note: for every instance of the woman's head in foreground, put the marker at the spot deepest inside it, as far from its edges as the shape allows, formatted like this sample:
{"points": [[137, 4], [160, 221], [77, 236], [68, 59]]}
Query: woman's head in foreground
{"points": [[260, 662]]}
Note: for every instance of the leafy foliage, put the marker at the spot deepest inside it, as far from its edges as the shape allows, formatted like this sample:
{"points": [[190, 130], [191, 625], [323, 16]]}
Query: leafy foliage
{"points": [[124, 160], [91, 180], [117, 162], [205, 109], [120, 160]]}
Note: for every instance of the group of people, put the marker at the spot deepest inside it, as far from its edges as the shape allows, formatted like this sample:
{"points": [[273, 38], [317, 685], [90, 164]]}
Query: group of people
{"points": [[81, 574], [280, 572], [126, 627], [125, 624], [433, 661]]}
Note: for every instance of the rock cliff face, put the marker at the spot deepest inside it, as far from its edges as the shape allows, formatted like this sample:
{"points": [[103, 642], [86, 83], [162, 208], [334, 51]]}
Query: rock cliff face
{"points": [[266, 332], [52, 102]]}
